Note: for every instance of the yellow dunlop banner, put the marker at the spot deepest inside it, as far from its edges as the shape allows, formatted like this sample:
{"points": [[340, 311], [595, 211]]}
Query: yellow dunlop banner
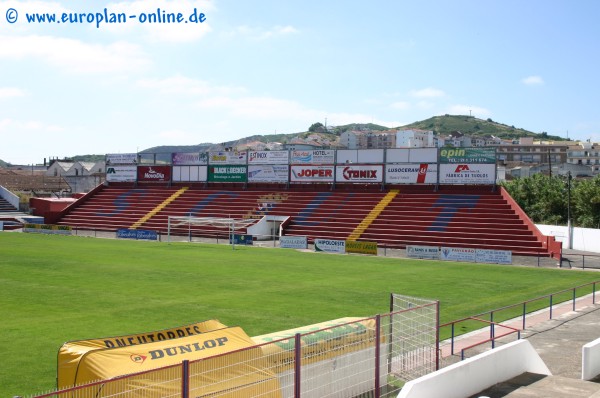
{"points": [[214, 375], [353, 246], [70, 353], [320, 341]]}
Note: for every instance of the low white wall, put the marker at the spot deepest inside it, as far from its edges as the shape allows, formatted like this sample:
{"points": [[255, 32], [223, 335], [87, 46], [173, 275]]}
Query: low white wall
{"points": [[473, 375], [586, 239], [9, 197], [590, 360]]}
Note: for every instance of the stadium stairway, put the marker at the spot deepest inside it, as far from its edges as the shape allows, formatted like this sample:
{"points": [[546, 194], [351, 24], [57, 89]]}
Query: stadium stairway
{"points": [[467, 217]]}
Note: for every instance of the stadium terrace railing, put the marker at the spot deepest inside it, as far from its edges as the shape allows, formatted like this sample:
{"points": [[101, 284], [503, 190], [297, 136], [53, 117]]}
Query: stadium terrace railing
{"points": [[513, 316], [362, 357]]}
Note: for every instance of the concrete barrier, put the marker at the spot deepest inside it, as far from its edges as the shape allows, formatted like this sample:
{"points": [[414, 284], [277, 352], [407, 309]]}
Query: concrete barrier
{"points": [[590, 360], [473, 375]]}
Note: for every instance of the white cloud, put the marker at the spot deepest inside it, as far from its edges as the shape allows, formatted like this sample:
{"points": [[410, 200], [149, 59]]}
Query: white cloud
{"points": [[533, 81], [257, 33], [16, 126], [11, 92], [74, 55], [181, 85], [474, 111], [401, 105], [428, 93]]}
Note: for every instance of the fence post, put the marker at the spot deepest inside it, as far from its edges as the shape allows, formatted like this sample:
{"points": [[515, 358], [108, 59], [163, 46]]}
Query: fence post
{"points": [[297, 364], [185, 379], [452, 340], [377, 355], [550, 306], [574, 298], [524, 313], [492, 327], [594, 293], [437, 335]]}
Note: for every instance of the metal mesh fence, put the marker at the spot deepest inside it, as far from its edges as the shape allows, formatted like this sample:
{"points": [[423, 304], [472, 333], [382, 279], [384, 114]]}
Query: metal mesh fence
{"points": [[370, 357], [413, 337]]}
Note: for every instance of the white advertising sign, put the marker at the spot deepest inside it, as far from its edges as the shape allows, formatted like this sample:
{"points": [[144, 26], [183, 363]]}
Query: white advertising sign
{"points": [[293, 242], [411, 173], [227, 157], [325, 156], [359, 173], [330, 246], [267, 173], [472, 173], [190, 173], [429, 252], [311, 173], [121, 158], [268, 157], [121, 173], [458, 254], [494, 256]]}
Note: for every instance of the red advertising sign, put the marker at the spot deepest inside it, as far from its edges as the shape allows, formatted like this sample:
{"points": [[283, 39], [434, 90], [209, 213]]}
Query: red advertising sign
{"points": [[154, 173]]}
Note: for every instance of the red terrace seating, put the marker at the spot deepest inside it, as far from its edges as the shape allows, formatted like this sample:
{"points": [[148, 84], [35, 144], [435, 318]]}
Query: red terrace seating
{"points": [[472, 217]]}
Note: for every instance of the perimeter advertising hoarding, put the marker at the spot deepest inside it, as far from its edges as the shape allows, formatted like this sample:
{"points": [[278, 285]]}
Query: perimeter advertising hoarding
{"points": [[468, 155], [359, 173], [458, 254], [323, 156], [139, 234], [494, 256], [411, 173], [227, 173], [268, 173], [361, 247], [311, 173], [464, 173], [428, 252], [227, 157], [154, 173], [330, 246], [190, 173], [268, 157], [189, 158], [121, 158], [71, 352], [293, 242], [121, 173]]}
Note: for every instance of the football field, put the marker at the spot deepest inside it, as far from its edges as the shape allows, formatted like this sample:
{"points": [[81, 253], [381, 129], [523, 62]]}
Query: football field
{"points": [[55, 289]]}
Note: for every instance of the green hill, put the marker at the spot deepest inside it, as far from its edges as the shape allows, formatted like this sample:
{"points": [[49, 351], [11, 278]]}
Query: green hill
{"points": [[446, 124]]}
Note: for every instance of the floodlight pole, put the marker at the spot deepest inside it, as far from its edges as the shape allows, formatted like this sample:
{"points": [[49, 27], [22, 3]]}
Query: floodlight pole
{"points": [[569, 226]]}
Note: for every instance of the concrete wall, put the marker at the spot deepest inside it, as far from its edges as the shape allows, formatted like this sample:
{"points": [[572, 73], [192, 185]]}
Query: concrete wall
{"points": [[586, 239], [590, 360], [9, 197], [473, 375]]}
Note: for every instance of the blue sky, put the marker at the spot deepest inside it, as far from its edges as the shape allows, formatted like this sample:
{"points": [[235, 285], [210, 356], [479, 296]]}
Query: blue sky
{"points": [[265, 66]]}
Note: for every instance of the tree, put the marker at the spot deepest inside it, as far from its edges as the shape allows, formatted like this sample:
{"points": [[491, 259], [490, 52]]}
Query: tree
{"points": [[316, 127]]}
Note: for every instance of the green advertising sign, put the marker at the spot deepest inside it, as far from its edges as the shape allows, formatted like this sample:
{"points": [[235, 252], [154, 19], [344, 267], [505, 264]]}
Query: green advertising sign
{"points": [[468, 155], [228, 173]]}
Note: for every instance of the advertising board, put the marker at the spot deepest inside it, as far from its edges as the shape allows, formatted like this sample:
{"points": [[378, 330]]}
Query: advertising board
{"points": [[322, 156], [121, 173], [311, 173], [224, 157], [359, 173], [189, 158], [227, 173], [330, 246], [293, 242], [154, 173], [411, 173], [464, 173], [268, 173], [268, 157]]}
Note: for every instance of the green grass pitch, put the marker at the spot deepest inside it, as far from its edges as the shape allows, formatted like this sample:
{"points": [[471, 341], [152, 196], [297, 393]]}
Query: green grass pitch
{"points": [[59, 288]]}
